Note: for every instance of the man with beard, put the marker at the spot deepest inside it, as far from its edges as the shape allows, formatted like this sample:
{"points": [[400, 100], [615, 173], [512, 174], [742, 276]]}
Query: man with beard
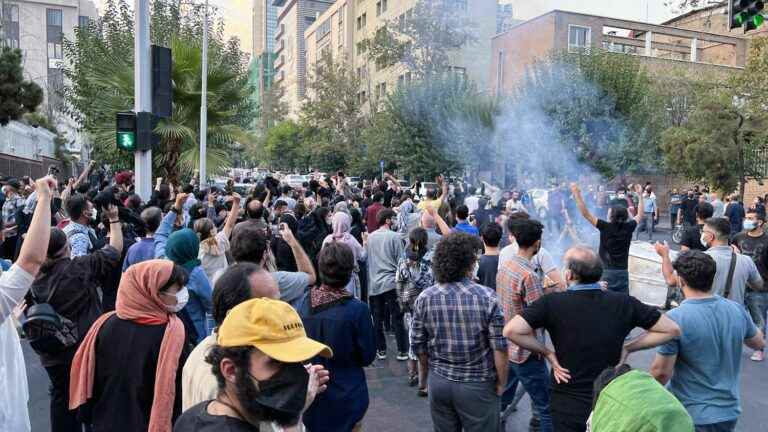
{"points": [[258, 364]]}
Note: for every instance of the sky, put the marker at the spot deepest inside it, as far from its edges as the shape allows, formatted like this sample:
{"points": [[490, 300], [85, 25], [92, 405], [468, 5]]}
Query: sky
{"points": [[237, 13]]}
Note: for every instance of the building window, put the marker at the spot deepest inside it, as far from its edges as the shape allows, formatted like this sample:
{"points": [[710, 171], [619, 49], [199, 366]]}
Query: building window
{"points": [[309, 20], [54, 33], [323, 30], [378, 8], [500, 72], [364, 19], [10, 25], [83, 21], [458, 4], [579, 38]]}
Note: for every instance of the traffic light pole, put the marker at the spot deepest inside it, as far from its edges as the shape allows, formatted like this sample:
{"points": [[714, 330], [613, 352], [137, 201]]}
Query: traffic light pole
{"points": [[204, 102], [142, 94]]}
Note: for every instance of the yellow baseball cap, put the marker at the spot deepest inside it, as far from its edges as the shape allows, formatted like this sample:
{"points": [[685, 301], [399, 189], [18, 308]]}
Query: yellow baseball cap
{"points": [[273, 327]]}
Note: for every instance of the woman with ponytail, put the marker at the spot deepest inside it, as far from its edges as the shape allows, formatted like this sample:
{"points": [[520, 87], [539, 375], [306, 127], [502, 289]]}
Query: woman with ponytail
{"points": [[414, 275], [214, 245]]}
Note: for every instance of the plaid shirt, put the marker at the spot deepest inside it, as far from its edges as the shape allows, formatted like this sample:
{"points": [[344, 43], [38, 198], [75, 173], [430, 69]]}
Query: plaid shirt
{"points": [[517, 286], [10, 207], [459, 326]]}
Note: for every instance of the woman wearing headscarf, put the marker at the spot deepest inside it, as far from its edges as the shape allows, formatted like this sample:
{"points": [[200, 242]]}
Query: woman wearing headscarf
{"points": [[183, 247], [342, 225], [332, 316], [126, 375], [214, 245]]}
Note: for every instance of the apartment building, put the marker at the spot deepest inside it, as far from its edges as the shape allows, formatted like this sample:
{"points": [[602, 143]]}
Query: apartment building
{"points": [[294, 17], [262, 71], [661, 48], [341, 28]]}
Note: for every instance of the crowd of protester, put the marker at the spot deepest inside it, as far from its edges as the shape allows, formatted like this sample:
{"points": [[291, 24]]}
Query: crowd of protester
{"points": [[201, 309]]}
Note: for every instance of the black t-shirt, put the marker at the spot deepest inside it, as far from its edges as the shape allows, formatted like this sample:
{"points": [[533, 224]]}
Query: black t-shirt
{"points": [[614, 243], [692, 238], [197, 419], [487, 269], [689, 210], [588, 329], [753, 247]]}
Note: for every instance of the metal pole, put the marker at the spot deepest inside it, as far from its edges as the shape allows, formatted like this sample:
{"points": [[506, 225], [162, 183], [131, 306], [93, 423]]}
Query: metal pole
{"points": [[204, 101], [142, 75]]}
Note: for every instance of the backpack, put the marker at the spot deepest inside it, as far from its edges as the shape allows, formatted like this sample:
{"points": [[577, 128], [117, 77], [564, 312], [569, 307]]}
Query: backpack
{"points": [[48, 332]]}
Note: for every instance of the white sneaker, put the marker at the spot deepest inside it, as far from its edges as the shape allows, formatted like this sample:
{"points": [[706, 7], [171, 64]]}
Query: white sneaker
{"points": [[381, 355], [757, 356]]}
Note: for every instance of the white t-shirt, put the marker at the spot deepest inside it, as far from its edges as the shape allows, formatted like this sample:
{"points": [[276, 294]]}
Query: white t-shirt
{"points": [[14, 396], [14, 285], [542, 262]]}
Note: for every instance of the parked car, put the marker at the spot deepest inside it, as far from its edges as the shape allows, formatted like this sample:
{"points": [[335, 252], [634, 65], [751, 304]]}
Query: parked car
{"points": [[353, 181], [294, 180]]}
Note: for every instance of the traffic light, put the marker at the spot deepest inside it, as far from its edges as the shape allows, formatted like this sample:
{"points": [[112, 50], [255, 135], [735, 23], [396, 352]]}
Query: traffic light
{"points": [[135, 131], [126, 131], [745, 13]]}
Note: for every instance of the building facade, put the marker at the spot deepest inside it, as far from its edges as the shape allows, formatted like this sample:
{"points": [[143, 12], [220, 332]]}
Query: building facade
{"points": [[340, 30], [293, 19], [661, 48], [262, 70]]}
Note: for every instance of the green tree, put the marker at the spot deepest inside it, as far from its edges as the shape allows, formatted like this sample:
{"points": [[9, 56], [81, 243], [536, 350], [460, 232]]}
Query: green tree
{"points": [[423, 40], [284, 147], [101, 74], [332, 114], [17, 96]]}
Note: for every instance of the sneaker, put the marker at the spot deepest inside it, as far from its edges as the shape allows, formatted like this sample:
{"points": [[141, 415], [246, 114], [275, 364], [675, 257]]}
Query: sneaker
{"points": [[381, 355], [758, 356], [422, 393], [413, 380], [402, 356]]}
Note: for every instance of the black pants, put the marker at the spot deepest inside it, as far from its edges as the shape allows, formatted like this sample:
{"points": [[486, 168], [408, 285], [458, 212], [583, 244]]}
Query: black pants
{"points": [[379, 305], [62, 419], [569, 411]]}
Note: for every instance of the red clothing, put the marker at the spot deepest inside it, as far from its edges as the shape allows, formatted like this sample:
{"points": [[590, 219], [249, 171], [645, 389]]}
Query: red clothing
{"points": [[372, 216]]}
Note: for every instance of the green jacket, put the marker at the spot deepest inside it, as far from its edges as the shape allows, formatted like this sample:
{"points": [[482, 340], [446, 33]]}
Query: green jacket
{"points": [[636, 402]]}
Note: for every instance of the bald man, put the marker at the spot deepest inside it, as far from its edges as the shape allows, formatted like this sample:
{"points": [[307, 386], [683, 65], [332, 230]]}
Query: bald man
{"points": [[588, 327], [239, 283], [428, 223]]}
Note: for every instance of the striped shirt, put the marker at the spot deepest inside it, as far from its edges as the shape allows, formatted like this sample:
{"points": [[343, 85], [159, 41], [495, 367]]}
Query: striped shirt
{"points": [[459, 326], [518, 286]]}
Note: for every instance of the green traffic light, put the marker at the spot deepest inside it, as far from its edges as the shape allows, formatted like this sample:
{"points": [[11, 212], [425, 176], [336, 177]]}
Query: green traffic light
{"points": [[740, 18], [758, 20], [126, 141]]}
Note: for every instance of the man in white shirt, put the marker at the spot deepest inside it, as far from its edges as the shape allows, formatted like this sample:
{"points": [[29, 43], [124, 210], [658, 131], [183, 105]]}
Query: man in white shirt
{"points": [[542, 262]]}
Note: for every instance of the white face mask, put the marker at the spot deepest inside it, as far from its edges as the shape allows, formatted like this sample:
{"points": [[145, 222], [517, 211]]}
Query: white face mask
{"points": [[93, 215], [703, 240], [182, 297]]}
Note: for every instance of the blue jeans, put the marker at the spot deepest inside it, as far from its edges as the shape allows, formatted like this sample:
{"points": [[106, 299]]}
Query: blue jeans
{"points": [[533, 374], [757, 305], [617, 280], [728, 426]]}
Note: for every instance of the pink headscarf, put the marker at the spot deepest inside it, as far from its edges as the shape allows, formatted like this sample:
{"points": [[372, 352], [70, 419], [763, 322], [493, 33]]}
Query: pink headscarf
{"points": [[342, 224]]}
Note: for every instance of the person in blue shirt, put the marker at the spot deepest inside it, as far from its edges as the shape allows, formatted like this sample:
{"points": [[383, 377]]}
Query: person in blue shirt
{"points": [[332, 316], [144, 249], [462, 224], [183, 247], [701, 367]]}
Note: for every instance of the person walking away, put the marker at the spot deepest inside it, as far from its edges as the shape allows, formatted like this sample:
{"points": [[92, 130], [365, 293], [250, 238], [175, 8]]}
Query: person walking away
{"points": [[70, 285], [675, 202], [718, 207], [144, 249], [457, 336], [687, 213], [414, 275], [15, 282], [602, 319], [615, 239], [258, 362], [214, 245], [650, 213], [462, 223], [735, 213], [734, 271], [701, 367], [753, 242], [372, 212], [384, 248], [121, 386], [691, 239], [333, 317], [489, 262], [518, 287], [342, 225]]}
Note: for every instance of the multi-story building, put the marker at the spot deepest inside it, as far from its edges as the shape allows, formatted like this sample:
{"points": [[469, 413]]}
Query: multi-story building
{"points": [[505, 18], [263, 56], [38, 29], [293, 19], [661, 48], [340, 30]]}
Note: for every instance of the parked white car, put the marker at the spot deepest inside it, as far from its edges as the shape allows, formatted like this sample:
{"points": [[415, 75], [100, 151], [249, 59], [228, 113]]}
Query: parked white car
{"points": [[294, 180]]}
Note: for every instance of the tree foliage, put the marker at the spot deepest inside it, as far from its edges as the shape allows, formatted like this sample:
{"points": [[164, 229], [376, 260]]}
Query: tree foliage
{"points": [[422, 40], [100, 71], [17, 95], [284, 147]]}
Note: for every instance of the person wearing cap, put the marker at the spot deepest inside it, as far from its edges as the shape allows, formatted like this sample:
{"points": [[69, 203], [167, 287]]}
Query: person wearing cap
{"points": [[335, 317], [14, 203], [258, 362]]}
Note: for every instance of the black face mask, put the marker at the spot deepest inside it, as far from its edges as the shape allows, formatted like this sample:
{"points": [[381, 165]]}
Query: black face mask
{"points": [[279, 399]]}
